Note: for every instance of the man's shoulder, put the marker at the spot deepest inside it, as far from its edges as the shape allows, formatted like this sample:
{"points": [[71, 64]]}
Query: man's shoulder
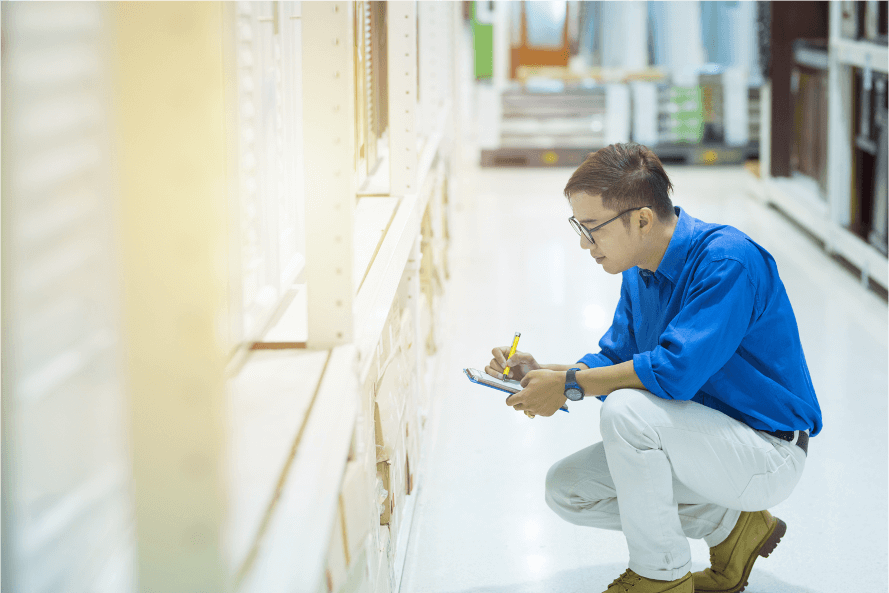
{"points": [[714, 242]]}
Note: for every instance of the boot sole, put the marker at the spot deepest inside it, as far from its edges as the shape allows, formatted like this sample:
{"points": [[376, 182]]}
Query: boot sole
{"points": [[768, 545]]}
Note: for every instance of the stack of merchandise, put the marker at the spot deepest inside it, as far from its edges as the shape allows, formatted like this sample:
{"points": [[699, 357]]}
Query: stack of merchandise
{"points": [[681, 114], [559, 116], [808, 85]]}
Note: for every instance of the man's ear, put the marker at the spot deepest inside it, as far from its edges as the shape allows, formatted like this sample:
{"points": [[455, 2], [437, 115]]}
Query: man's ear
{"points": [[645, 220]]}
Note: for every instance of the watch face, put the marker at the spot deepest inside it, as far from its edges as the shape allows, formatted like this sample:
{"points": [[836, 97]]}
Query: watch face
{"points": [[574, 394]]}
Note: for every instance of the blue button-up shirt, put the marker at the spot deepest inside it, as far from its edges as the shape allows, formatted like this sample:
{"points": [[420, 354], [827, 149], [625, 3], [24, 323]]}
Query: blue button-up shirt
{"points": [[714, 325]]}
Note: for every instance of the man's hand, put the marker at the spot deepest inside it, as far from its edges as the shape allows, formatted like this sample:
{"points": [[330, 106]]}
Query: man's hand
{"points": [[519, 365], [542, 394]]}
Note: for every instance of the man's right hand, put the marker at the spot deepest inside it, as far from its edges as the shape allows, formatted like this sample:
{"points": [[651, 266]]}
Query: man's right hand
{"points": [[519, 365]]}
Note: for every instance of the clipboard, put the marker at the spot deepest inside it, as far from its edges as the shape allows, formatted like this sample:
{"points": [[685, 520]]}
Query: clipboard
{"points": [[510, 386]]}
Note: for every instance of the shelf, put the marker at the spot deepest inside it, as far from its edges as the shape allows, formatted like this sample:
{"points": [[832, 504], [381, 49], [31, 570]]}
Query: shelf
{"points": [[373, 215], [292, 415], [861, 54], [377, 184], [268, 402], [799, 198], [290, 329], [571, 156], [375, 297]]}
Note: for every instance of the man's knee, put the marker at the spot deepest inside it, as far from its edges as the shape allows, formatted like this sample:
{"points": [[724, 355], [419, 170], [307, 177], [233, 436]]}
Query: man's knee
{"points": [[619, 406], [623, 413], [556, 479]]}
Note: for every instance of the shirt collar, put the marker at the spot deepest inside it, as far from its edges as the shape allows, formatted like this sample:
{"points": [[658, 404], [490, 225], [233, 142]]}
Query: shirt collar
{"points": [[677, 251]]}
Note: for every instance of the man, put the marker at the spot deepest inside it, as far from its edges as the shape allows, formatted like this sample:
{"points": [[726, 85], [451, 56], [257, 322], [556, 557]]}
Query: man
{"points": [[709, 402]]}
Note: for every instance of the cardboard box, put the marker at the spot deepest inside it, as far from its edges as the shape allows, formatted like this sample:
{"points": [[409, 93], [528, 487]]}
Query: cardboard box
{"points": [[337, 557], [357, 506], [397, 488], [386, 505], [391, 395], [358, 579], [385, 561]]}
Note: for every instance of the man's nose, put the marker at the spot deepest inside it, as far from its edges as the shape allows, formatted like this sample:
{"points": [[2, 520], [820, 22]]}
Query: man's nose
{"points": [[584, 243]]}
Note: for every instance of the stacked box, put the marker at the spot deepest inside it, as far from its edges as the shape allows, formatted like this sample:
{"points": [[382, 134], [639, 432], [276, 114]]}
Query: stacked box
{"points": [[383, 458], [385, 561], [685, 114], [357, 506], [347, 573], [434, 249], [337, 560], [413, 424]]}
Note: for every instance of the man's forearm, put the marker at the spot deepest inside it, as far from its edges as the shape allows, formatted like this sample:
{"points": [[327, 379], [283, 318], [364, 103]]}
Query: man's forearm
{"points": [[604, 380], [563, 367]]}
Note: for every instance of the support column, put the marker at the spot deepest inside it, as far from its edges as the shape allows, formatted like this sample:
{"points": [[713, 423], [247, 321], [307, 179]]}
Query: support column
{"points": [[839, 127], [329, 153], [402, 41], [169, 91]]}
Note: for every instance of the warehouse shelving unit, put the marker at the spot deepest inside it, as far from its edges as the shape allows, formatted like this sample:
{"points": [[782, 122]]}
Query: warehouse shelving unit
{"points": [[827, 216], [222, 280], [337, 382], [541, 116]]}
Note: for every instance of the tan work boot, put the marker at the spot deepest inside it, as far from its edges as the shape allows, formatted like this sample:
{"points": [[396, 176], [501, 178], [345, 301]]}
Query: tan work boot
{"points": [[630, 581], [755, 534]]}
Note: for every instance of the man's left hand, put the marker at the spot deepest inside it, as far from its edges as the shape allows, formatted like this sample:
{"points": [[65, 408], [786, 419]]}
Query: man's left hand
{"points": [[542, 394]]}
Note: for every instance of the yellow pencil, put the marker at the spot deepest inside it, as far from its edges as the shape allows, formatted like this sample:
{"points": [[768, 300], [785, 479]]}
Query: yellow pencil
{"points": [[515, 344]]}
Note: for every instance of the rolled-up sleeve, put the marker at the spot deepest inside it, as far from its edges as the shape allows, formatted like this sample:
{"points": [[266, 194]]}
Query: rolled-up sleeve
{"points": [[700, 340], [618, 344]]}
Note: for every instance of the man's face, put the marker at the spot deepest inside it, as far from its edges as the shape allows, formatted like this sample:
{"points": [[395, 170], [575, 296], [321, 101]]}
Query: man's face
{"points": [[615, 247]]}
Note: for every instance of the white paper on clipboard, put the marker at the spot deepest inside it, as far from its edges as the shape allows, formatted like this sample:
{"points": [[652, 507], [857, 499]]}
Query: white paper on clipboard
{"points": [[482, 378]]}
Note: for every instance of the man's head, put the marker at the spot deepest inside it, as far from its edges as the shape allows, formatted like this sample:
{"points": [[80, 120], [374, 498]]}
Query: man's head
{"points": [[625, 181]]}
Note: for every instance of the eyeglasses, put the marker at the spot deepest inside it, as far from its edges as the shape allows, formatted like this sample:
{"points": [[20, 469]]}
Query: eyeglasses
{"points": [[588, 233]]}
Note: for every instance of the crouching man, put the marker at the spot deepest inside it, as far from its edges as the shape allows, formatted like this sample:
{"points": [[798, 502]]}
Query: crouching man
{"points": [[707, 401]]}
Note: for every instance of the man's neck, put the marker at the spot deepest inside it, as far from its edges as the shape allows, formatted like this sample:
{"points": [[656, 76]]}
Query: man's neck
{"points": [[663, 232]]}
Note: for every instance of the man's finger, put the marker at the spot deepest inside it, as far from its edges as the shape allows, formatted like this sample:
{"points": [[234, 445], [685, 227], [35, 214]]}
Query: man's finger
{"points": [[515, 398], [500, 353], [518, 358]]}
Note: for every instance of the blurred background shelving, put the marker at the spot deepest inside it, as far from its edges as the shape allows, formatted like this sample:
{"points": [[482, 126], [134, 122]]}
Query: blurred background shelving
{"points": [[557, 82], [821, 161]]}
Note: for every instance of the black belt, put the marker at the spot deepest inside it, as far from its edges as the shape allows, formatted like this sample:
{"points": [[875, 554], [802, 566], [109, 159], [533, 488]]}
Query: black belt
{"points": [[790, 435]]}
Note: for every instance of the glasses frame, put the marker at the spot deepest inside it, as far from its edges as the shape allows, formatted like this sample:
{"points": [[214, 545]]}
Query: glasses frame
{"points": [[588, 233]]}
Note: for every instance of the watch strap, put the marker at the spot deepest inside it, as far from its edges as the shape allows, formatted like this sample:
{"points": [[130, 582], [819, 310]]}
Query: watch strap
{"points": [[569, 378], [571, 382]]}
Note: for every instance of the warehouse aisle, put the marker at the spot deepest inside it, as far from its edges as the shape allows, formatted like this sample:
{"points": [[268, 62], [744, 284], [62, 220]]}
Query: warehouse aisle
{"points": [[481, 524]]}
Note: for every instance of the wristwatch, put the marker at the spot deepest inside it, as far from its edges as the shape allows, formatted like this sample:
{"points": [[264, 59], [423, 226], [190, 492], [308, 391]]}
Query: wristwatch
{"points": [[573, 390]]}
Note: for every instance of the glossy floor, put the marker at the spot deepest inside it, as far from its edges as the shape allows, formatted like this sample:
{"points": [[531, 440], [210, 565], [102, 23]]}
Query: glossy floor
{"points": [[481, 524]]}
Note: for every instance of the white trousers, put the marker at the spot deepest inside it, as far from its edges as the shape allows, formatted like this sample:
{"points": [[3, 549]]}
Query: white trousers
{"points": [[670, 470]]}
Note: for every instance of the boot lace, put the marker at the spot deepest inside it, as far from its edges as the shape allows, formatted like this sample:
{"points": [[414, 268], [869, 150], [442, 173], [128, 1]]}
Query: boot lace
{"points": [[627, 580]]}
